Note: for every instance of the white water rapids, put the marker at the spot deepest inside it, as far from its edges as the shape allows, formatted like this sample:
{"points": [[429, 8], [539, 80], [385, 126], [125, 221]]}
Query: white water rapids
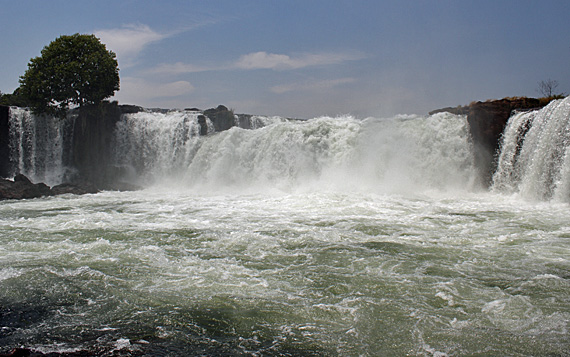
{"points": [[326, 237]]}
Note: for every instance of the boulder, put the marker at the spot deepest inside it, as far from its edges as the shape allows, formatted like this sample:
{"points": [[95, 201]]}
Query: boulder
{"points": [[221, 117], [74, 188], [22, 188]]}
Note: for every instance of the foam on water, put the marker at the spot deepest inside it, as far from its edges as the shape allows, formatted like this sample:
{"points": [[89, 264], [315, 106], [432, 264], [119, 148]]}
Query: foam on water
{"points": [[321, 272]]}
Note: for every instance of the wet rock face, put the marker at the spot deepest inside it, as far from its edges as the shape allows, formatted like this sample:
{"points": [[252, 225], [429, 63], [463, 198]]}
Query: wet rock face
{"points": [[22, 188], [74, 188], [487, 121]]}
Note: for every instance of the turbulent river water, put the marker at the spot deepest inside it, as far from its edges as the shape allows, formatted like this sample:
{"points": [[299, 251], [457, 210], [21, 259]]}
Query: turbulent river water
{"points": [[327, 237]]}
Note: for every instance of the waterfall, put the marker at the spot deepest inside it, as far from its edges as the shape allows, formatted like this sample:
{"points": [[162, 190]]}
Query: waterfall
{"points": [[39, 146], [157, 146], [534, 159], [398, 154], [402, 153], [153, 145]]}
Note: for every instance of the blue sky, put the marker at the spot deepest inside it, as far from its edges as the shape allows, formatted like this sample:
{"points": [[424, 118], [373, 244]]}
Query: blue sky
{"points": [[306, 58]]}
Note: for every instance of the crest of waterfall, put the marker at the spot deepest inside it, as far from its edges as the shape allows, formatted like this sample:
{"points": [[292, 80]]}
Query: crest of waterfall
{"points": [[39, 145], [534, 160], [256, 121]]}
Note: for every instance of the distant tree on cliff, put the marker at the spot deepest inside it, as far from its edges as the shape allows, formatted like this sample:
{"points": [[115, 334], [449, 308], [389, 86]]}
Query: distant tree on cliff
{"points": [[74, 70], [547, 88]]}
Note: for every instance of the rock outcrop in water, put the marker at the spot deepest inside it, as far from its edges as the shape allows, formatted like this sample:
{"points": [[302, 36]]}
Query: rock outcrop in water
{"points": [[221, 117], [487, 121], [22, 188]]}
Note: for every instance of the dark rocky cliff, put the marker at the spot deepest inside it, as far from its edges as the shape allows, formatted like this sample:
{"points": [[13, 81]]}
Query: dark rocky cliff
{"points": [[487, 121], [92, 152]]}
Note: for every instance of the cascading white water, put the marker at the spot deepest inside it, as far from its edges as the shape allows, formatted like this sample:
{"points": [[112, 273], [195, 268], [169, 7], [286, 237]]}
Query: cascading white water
{"points": [[535, 154], [38, 145], [402, 153], [398, 154], [256, 121], [157, 145]]}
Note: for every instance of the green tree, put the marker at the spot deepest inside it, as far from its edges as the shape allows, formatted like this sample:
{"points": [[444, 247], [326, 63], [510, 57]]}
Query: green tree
{"points": [[74, 70]]}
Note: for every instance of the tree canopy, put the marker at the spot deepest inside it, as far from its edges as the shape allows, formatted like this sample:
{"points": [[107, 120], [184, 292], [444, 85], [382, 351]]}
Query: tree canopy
{"points": [[74, 70]]}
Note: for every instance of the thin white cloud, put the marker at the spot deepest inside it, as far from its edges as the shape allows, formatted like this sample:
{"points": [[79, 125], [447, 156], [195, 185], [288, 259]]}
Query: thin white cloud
{"points": [[260, 60], [127, 42], [179, 68], [264, 60], [311, 86], [137, 90]]}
